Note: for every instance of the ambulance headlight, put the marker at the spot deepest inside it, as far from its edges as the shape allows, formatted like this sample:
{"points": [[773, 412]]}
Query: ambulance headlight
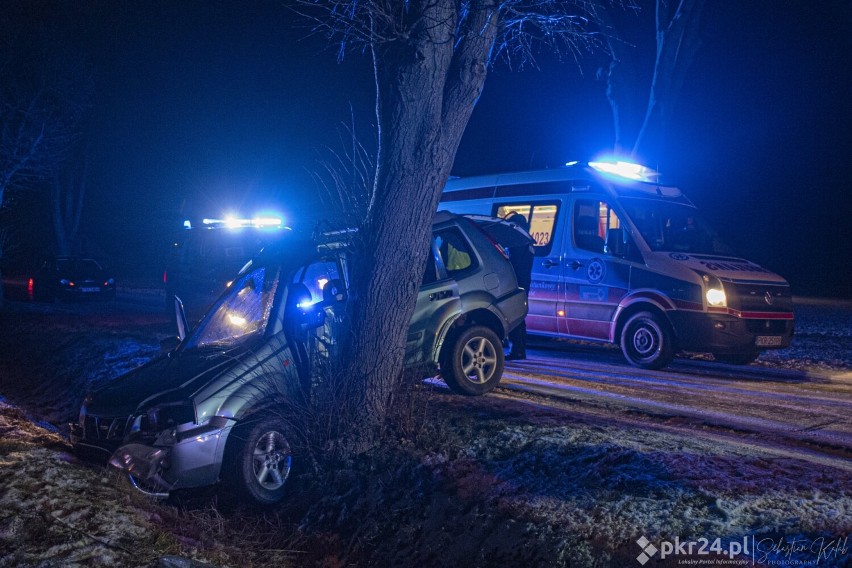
{"points": [[715, 291], [716, 297]]}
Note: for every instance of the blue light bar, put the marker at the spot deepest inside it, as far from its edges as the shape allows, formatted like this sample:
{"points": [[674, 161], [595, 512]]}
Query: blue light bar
{"points": [[267, 222], [626, 170], [239, 223]]}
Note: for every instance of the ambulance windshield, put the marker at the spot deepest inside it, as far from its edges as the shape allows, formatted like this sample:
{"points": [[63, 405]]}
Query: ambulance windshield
{"points": [[673, 227]]}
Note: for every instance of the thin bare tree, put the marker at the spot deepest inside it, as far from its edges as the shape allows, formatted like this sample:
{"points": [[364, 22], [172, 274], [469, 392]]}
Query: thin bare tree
{"points": [[677, 41], [430, 61]]}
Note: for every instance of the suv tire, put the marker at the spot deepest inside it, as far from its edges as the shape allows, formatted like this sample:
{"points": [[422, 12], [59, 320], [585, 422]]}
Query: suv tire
{"points": [[260, 460], [472, 363]]}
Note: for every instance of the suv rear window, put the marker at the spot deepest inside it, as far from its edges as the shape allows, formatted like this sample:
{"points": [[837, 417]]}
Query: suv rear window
{"points": [[455, 251]]}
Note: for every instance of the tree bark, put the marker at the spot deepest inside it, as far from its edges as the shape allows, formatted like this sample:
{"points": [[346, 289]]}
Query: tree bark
{"points": [[427, 86]]}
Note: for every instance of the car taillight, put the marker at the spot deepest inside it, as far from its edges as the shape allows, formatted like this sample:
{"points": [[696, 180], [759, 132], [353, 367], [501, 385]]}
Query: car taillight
{"points": [[30, 286], [165, 276]]}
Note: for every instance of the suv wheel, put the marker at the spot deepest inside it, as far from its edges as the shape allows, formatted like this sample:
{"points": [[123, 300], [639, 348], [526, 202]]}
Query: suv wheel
{"points": [[261, 460], [472, 364]]}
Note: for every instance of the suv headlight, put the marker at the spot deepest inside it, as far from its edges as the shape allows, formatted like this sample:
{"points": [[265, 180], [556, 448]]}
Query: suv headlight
{"points": [[165, 417], [714, 291]]}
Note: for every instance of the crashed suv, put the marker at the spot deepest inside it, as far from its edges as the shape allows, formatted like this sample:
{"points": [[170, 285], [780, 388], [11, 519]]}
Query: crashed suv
{"points": [[201, 413]]}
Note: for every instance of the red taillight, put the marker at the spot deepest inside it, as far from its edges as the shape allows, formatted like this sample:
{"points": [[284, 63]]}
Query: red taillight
{"points": [[30, 286], [165, 276]]}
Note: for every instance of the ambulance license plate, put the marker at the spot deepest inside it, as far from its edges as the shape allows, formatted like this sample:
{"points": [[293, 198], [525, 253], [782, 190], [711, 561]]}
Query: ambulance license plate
{"points": [[90, 289], [768, 340]]}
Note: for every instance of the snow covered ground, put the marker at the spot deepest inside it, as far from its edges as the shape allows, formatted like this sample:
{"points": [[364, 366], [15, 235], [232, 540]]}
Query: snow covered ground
{"points": [[758, 460]]}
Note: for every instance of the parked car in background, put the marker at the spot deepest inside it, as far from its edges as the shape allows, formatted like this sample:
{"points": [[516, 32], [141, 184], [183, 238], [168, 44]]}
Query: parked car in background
{"points": [[71, 277], [210, 411]]}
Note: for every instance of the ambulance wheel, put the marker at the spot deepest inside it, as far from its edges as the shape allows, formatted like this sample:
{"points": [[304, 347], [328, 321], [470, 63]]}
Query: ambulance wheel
{"points": [[472, 363], [737, 358], [647, 341]]}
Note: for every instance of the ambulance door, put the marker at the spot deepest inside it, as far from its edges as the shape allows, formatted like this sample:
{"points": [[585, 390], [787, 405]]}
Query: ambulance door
{"points": [[544, 217], [595, 280]]}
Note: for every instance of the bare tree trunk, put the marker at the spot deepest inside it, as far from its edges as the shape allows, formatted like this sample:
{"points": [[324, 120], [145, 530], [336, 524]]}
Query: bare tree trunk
{"points": [[426, 91], [430, 61]]}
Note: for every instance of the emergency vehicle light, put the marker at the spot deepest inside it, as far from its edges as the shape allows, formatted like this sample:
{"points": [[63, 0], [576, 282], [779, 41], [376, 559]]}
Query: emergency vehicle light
{"points": [[238, 223], [627, 170]]}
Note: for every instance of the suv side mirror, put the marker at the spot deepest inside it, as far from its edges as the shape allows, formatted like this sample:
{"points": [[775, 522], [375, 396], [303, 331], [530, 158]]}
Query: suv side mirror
{"points": [[301, 310]]}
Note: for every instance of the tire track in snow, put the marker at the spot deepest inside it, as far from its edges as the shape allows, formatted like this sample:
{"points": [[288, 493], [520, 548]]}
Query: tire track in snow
{"points": [[762, 409]]}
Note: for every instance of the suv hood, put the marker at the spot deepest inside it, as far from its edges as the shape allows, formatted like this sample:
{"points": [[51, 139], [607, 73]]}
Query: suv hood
{"points": [[185, 371]]}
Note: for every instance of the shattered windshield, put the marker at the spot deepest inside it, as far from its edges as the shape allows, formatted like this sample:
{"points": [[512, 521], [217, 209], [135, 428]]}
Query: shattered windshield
{"points": [[673, 227], [242, 313]]}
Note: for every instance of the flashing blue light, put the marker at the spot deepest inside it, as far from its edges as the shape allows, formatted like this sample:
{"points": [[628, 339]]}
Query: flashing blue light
{"points": [[626, 170], [231, 222], [267, 222]]}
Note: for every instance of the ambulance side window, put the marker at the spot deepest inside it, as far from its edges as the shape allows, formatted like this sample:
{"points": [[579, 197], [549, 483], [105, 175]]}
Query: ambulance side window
{"points": [[595, 225], [542, 219]]}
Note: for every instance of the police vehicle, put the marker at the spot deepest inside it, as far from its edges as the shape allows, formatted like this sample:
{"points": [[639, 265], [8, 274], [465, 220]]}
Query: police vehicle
{"points": [[206, 254]]}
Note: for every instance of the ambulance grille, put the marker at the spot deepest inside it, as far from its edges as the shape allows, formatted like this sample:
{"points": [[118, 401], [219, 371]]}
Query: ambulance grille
{"points": [[759, 297]]}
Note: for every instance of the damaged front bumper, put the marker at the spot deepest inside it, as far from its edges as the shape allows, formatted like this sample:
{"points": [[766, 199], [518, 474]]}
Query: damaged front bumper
{"points": [[186, 457]]}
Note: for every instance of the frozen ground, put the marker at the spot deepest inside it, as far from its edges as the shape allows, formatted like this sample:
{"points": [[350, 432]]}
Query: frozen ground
{"points": [[515, 479]]}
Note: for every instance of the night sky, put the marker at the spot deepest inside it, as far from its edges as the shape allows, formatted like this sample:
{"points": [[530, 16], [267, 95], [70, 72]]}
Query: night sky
{"points": [[204, 107]]}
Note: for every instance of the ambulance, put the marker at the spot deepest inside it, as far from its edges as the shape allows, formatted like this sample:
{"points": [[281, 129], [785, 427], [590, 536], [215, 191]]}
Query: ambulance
{"points": [[623, 259]]}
